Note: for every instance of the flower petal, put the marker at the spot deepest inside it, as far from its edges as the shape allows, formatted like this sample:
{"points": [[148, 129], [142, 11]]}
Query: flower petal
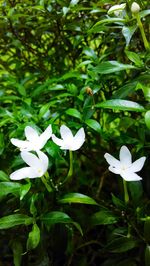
{"points": [[31, 134], [112, 161], [31, 159], [66, 133], [137, 165], [45, 135], [130, 176], [22, 144], [125, 156], [114, 170], [78, 140], [114, 8], [44, 160], [26, 172], [58, 141]]}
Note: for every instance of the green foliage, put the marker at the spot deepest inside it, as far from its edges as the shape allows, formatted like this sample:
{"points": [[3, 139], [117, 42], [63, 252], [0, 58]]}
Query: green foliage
{"points": [[69, 62]]}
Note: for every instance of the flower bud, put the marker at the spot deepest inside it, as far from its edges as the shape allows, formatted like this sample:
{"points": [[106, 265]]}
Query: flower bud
{"points": [[89, 91], [135, 8]]}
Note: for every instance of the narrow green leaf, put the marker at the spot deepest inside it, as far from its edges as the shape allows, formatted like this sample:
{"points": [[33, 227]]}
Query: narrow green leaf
{"points": [[103, 217], [33, 238], [147, 230], [136, 190], [93, 124], [14, 219], [77, 198], [111, 67], [44, 109], [9, 187], [24, 190], [105, 22], [128, 33], [56, 217], [147, 119], [74, 112], [17, 252], [122, 244], [4, 176], [59, 217], [147, 255], [123, 105], [135, 58]]}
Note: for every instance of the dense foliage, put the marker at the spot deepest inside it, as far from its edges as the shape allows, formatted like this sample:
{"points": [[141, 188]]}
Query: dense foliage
{"points": [[74, 63]]}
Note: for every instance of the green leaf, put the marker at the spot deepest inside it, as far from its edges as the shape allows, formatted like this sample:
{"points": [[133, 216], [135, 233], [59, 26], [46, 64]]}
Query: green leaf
{"points": [[74, 112], [103, 217], [136, 190], [2, 144], [118, 203], [14, 219], [59, 217], [147, 255], [77, 198], [111, 67], [44, 109], [9, 187], [147, 119], [135, 58], [128, 33], [102, 22], [122, 244], [56, 217], [17, 252], [33, 238], [93, 124], [123, 105], [24, 189], [4, 176], [147, 230]]}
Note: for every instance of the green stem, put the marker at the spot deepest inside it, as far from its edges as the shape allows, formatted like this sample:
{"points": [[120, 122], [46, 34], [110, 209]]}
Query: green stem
{"points": [[70, 172], [126, 195], [140, 25], [49, 188]]}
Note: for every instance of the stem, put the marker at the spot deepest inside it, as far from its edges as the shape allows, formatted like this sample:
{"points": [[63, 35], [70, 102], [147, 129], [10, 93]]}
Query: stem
{"points": [[70, 172], [140, 25], [126, 195], [49, 188]]}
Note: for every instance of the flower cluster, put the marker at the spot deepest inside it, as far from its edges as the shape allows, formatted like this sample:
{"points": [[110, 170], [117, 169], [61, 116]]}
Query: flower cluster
{"points": [[38, 163]]}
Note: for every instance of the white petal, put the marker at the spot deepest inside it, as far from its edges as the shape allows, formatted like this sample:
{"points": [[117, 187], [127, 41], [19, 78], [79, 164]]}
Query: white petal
{"points": [[31, 159], [111, 160], [78, 140], [114, 170], [44, 160], [129, 176], [116, 8], [66, 133], [22, 144], [137, 165], [31, 134], [58, 141], [45, 135], [26, 172], [125, 156]]}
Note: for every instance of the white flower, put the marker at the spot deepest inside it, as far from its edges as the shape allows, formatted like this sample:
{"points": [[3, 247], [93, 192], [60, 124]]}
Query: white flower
{"points": [[116, 9], [125, 168], [68, 141], [37, 166], [135, 8], [34, 142]]}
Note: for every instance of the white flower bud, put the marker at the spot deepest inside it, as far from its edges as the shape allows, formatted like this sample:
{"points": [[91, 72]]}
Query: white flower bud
{"points": [[135, 8], [116, 9]]}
